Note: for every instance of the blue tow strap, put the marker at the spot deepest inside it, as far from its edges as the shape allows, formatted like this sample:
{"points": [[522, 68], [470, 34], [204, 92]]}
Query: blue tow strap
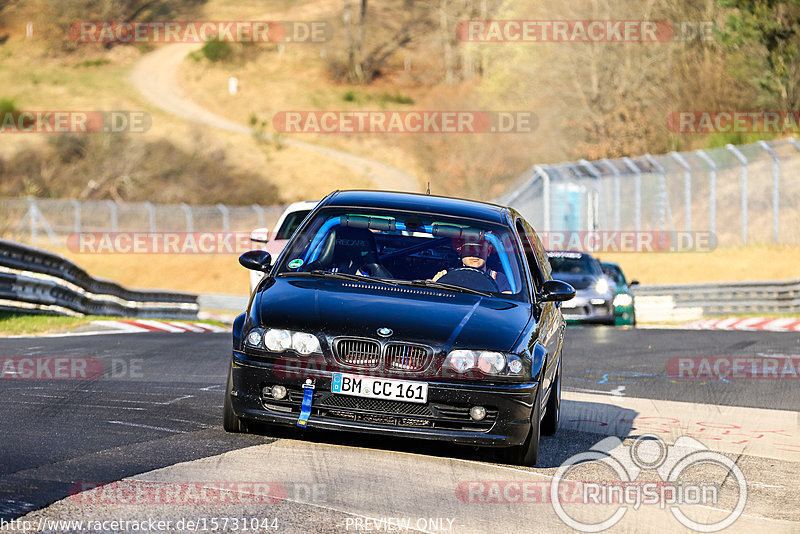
{"points": [[305, 409]]}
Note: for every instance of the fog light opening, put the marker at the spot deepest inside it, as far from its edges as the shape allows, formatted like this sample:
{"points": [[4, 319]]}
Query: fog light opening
{"points": [[276, 392], [477, 413]]}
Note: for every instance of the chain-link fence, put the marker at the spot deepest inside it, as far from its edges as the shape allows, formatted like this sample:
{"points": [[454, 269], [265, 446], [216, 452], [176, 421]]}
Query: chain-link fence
{"points": [[746, 194], [32, 219]]}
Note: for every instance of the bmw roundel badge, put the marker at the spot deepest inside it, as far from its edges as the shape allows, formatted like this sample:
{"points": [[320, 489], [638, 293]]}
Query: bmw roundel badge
{"points": [[385, 332]]}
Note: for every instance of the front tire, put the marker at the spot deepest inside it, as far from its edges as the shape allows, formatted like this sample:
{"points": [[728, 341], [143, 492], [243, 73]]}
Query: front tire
{"points": [[528, 452], [230, 421], [552, 414]]}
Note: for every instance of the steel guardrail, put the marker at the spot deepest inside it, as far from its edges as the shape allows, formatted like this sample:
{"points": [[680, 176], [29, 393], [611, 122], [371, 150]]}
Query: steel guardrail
{"points": [[33, 280], [774, 296]]}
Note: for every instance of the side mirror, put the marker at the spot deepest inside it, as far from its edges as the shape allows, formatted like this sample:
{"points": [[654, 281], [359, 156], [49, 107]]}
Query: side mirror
{"points": [[634, 283], [259, 235], [256, 260], [556, 291]]}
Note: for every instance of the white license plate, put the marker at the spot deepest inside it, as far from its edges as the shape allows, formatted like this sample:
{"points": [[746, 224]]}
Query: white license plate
{"points": [[379, 388]]}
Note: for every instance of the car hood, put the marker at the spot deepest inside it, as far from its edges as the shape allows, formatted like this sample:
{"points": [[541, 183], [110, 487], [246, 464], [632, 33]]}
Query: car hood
{"points": [[438, 318]]}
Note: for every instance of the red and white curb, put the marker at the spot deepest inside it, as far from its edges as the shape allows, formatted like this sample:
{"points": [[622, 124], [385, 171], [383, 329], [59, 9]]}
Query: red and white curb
{"points": [[175, 327], [755, 324]]}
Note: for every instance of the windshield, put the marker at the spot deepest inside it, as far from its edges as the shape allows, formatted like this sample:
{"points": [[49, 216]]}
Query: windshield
{"points": [[573, 263], [614, 272], [407, 247], [290, 224]]}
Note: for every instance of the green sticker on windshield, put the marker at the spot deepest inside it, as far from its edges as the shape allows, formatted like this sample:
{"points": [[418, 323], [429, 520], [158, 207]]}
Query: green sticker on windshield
{"points": [[296, 264]]}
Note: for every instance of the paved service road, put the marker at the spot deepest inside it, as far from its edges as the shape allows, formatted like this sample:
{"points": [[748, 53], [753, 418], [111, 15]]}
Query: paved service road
{"points": [[150, 406]]}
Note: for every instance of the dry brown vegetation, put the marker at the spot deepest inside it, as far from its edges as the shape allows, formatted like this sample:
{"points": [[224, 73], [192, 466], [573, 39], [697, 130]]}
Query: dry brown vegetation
{"points": [[592, 100]]}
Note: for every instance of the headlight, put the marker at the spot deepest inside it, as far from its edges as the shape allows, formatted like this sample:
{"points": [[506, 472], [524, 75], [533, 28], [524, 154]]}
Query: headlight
{"points": [[278, 340], [601, 286], [488, 362], [305, 344], [491, 363], [254, 337], [461, 361], [623, 300]]}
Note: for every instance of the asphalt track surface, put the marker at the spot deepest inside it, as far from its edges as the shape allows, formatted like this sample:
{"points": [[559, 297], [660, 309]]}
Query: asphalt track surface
{"points": [[158, 403]]}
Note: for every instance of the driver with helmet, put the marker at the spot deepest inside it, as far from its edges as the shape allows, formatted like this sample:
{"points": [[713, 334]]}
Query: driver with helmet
{"points": [[473, 256]]}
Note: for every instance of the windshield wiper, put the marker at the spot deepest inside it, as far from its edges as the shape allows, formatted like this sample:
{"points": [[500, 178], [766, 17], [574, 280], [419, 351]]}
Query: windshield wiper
{"points": [[448, 287], [319, 273]]}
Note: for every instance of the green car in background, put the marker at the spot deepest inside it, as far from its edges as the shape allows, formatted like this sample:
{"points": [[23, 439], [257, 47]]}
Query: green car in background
{"points": [[624, 312]]}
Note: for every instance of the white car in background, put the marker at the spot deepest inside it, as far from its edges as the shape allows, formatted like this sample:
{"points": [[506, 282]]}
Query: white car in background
{"points": [[288, 222]]}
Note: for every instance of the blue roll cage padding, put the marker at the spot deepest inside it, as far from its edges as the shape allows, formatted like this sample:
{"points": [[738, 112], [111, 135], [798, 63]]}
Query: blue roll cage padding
{"points": [[313, 253]]}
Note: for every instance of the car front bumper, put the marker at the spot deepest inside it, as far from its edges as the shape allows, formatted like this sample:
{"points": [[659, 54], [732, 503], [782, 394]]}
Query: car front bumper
{"points": [[624, 315], [444, 417], [588, 309]]}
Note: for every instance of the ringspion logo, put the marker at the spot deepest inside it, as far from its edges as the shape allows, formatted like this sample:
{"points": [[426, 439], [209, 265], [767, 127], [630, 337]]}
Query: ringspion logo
{"points": [[676, 490]]}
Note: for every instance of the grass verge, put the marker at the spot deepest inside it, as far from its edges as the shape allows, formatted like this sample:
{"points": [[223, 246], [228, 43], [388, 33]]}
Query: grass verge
{"points": [[19, 324], [16, 324]]}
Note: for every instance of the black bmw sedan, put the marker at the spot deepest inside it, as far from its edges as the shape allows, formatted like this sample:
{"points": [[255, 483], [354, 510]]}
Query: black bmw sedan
{"points": [[405, 315]]}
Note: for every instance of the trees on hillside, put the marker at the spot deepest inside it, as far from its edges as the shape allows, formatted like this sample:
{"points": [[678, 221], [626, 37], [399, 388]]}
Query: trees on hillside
{"points": [[764, 38]]}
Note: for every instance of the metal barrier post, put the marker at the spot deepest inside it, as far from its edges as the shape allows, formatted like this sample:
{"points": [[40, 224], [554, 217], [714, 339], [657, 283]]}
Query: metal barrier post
{"points": [[664, 210], [187, 212], [617, 193], [546, 196], [743, 160], [223, 209], [598, 187], [76, 210], [259, 214], [112, 210], [638, 195], [687, 187], [151, 216], [712, 191], [775, 187]]}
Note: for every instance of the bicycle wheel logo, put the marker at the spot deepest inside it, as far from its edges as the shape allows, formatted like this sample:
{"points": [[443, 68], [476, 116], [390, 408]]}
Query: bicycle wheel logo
{"points": [[648, 453]]}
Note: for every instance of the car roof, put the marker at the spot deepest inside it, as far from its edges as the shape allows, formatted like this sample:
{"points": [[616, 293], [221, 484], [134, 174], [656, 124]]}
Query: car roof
{"points": [[302, 205], [456, 207]]}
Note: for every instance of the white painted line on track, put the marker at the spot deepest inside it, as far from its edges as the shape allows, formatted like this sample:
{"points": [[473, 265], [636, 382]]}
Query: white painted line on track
{"points": [[148, 426]]}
